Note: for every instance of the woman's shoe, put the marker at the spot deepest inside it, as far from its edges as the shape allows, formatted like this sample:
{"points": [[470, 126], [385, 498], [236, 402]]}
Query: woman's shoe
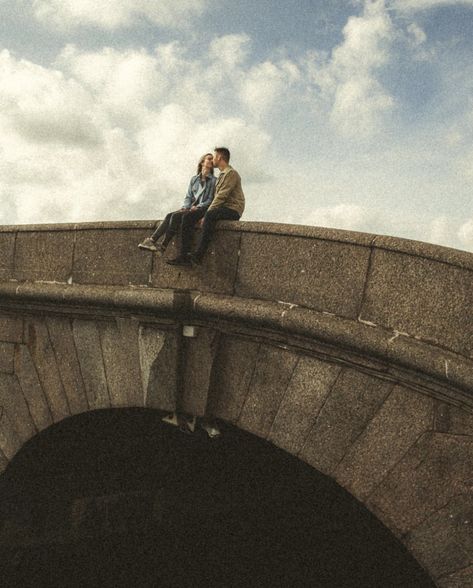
{"points": [[148, 244]]}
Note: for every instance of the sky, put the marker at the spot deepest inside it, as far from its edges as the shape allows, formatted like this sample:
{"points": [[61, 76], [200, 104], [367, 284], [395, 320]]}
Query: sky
{"points": [[352, 114]]}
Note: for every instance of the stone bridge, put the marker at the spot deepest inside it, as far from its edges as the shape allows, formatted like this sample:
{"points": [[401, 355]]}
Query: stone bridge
{"points": [[351, 351]]}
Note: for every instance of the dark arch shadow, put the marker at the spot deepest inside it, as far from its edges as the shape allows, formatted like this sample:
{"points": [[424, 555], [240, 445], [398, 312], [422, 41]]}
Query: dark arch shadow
{"points": [[117, 498]]}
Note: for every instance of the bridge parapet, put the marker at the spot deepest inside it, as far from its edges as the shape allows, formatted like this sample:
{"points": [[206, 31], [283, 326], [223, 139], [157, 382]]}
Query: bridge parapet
{"points": [[352, 351]]}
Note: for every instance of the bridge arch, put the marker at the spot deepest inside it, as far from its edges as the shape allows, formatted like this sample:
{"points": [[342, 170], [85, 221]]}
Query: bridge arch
{"points": [[351, 351]]}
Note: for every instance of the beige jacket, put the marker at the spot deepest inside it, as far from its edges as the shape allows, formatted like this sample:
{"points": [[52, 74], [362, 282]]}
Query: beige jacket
{"points": [[228, 191]]}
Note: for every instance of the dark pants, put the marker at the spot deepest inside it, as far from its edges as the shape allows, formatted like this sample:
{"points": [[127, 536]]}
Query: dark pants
{"points": [[183, 219], [210, 220]]}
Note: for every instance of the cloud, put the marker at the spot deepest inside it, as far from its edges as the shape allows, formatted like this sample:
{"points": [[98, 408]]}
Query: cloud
{"points": [[111, 134], [115, 14], [418, 5], [348, 78]]}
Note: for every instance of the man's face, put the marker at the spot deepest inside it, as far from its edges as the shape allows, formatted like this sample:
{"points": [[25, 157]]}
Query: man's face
{"points": [[217, 158]]}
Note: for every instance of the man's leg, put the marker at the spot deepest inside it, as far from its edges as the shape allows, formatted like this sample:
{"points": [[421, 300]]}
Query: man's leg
{"points": [[187, 226], [210, 220]]}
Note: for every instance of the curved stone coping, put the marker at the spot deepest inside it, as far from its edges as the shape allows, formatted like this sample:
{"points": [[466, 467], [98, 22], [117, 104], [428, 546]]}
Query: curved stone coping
{"points": [[450, 369], [448, 255]]}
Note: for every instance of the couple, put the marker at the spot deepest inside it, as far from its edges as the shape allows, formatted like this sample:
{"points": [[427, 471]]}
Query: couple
{"points": [[207, 198]]}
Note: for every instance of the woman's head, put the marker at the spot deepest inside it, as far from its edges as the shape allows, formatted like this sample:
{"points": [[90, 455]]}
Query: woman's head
{"points": [[206, 162]]}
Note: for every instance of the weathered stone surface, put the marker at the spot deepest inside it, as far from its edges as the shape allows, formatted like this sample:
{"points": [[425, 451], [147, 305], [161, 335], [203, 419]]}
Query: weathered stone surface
{"points": [[421, 297], [234, 367], [217, 273], [273, 372], [199, 354], [42, 353], [110, 257], [122, 362], [62, 339], [14, 404], [89, 352], [324, 275], [451, 419], [437, 468], [350, 406], [307, 391], [31, 387], [444, 542], [460, 579], [7, 248], [403, 417], [10, 442], [128, 330], [7, 351], [44, 255], [159, 354], [11, 329]]}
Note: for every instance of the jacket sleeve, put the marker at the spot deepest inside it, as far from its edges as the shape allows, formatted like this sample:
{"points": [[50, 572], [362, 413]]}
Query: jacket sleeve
{"points": [[188, 199], [209, 193], [228, 184]]}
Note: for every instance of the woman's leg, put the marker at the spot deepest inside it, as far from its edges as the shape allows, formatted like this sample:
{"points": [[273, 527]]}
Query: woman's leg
{"points": [[173, 226], [163, 226]]}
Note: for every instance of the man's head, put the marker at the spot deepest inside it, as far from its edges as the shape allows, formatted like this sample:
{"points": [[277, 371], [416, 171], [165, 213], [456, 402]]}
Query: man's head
{"points": [[221, 157]]}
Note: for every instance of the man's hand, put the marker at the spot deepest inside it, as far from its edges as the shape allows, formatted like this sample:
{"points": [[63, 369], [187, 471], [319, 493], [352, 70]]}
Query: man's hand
{"points": [[194, 208]]}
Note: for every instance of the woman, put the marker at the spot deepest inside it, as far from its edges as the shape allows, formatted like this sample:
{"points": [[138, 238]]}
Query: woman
{"points": [[198, 198]]}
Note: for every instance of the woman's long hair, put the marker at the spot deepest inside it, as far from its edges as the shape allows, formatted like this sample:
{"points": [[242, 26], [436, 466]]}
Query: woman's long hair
{"points": [[201, 161]]}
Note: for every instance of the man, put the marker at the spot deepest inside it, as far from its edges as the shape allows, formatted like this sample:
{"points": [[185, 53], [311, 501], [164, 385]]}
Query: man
{"points": [[228, 203]]}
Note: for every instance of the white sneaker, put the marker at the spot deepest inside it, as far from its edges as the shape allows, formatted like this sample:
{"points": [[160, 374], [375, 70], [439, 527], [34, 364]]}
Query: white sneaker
{"points": [[148, 244]]}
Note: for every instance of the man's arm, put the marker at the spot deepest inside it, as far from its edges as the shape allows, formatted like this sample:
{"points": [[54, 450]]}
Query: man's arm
{"points": [[227, 185]]}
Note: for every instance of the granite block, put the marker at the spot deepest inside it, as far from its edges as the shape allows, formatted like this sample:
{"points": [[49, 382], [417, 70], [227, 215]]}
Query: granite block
{"points": [[353, 402], [42, 353], [7, 250], [454, 420], [159, 357], [421, 297], [307, 391], [444, 542], [44, 256], [128, 335], [323, 275], [10, 442], [110, 257], [62, 340], [233, 369], [273, 372], [199, 355], [7, 351], [216, 274], [89, 353], [437, 468], [14, 404], [11, 329], [122, 367], [461, 579], [400, 421], [31, 387]]}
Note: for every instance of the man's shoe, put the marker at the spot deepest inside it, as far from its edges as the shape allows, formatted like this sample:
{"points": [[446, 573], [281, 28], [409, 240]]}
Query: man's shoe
{"points": [[179, 261], [148, 244]]}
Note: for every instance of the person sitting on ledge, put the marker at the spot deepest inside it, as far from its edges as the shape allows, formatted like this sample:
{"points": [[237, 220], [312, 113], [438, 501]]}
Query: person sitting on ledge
{"points": [[228, 204], [198, 198]]}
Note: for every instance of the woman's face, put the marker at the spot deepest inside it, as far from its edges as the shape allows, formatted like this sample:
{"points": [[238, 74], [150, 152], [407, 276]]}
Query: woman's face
{"points": [[207, 163]]}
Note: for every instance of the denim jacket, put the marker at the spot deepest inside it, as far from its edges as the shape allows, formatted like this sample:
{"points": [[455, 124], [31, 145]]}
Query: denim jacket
{"points": [[195, 193]]}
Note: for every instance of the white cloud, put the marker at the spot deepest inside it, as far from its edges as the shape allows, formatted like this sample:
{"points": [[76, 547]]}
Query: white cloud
{"points": [[465, 234], [417, 5], [230, 49], [348, 81], [110, 134], [114, 14]]}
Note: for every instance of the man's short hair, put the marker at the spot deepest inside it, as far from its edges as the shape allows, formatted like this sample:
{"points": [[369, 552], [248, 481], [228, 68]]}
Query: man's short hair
{"points": [[224, 152]]}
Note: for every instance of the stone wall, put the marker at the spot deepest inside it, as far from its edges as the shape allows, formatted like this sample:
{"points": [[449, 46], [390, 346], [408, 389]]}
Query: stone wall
{"points": [[353, 352]]}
